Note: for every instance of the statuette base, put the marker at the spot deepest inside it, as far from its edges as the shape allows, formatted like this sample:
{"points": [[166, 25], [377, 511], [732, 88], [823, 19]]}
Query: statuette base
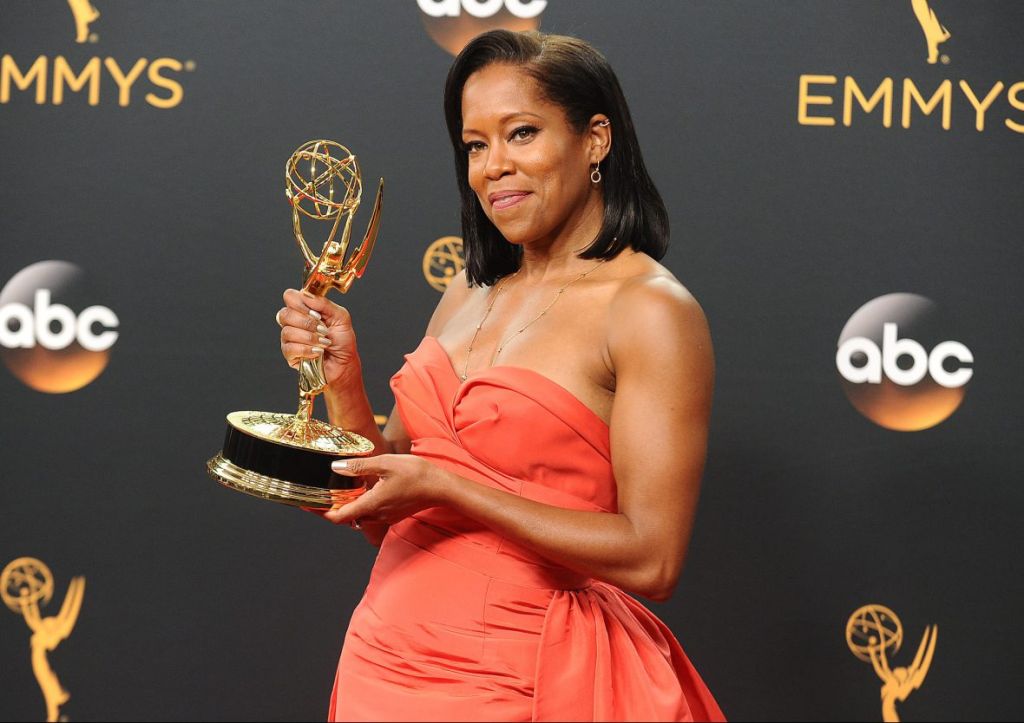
{"points": [[283, 458]]}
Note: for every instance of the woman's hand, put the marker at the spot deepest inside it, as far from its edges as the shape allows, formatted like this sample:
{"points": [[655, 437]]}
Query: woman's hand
{"points": [[406, 485], [312, 326]]}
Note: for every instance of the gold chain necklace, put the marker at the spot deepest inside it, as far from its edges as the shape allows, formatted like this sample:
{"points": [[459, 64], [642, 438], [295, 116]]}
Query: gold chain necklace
{"points": [[497, 292]]}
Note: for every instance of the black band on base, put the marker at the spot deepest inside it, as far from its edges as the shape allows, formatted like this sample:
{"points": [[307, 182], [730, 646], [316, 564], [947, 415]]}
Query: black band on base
{"points": [[283, 462]]}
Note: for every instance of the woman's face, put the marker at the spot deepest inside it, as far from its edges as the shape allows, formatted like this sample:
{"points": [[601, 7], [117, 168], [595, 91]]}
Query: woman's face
{"points": [[529, 168]]}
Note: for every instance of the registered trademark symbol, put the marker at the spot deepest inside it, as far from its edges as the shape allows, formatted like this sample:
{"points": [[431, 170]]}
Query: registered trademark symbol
{"points": [[945, 59], [94, 37], [190, 65]]}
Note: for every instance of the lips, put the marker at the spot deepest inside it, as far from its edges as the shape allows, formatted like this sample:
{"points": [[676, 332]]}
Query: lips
{"points": [[506, 199]]}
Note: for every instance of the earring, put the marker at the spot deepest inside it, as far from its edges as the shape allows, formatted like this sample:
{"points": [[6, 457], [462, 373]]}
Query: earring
{"points": [[595, 175]]}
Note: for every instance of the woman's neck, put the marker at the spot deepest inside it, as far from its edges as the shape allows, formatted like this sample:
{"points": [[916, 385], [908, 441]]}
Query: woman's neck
{"points": [[556, 257]]}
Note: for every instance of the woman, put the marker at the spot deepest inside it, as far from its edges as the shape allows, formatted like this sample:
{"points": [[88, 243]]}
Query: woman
{"points": [[550, 429]]}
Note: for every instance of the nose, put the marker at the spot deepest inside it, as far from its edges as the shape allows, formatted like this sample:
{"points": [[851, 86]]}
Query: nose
{"points": [[498, 162]]}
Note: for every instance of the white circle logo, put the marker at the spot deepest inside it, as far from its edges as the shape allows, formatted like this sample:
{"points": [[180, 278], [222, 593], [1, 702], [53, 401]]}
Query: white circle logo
{"points": [[50, 338], [453, 23], [897, 365]]}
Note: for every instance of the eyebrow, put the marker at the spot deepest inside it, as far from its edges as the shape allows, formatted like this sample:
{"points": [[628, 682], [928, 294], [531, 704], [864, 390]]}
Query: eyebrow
{"points": [[505, 119]]}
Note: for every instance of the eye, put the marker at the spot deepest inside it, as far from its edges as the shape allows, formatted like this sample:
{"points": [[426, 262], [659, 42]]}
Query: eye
{"points": [[523, 133], [472, 146]]}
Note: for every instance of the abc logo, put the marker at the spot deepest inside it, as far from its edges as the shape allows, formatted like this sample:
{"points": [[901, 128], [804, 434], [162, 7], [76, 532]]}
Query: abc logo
{"points": [[50, 337], [897, 366], [453, 23]]}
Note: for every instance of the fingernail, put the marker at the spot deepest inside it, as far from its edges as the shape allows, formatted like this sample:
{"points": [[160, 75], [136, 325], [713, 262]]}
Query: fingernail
{"points": [[306, 292], [321, 329], [315, 314], [318, 350], [325, 341], [340, 464]]}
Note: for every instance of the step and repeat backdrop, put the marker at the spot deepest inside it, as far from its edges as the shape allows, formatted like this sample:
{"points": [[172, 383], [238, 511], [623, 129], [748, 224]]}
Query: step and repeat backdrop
{"points": [[845, 182]]}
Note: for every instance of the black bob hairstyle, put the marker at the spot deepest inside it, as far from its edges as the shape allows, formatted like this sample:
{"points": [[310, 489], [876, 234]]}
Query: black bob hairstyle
{"points": [[575, 76]]}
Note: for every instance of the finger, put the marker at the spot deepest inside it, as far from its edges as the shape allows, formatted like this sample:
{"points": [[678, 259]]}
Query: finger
{"points": [[318, 511], [288, 317], [359, 466], [360, 509], [296, 301], [303, 336], [332, 314], [293, 352], [321, 304]]}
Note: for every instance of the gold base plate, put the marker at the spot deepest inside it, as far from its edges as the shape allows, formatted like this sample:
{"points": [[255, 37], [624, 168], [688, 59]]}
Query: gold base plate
{"points": [[310, 435]]}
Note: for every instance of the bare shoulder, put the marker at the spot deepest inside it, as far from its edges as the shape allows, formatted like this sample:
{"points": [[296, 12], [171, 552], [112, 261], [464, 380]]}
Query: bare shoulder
{"points": [[455, 295], [652, 316], [651, 296]]}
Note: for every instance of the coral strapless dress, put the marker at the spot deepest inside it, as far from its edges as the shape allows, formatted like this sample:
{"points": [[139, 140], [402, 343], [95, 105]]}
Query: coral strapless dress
{"points": [[459, 623]]}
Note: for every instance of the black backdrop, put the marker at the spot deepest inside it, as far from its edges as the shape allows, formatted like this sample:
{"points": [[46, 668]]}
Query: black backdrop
{"points": [[204, 604]]}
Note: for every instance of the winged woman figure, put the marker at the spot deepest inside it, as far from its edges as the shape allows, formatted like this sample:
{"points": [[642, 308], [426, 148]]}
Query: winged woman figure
{"points": [[47, 634], [934, 31], [899, 683], [85, 14]]}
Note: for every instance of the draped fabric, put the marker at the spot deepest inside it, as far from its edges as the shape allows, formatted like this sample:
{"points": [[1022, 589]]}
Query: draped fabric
{"points": [[459, 623]]}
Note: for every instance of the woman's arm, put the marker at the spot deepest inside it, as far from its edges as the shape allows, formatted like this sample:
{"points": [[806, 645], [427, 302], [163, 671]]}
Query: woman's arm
{"points": [[348, 406], [660, 348]]}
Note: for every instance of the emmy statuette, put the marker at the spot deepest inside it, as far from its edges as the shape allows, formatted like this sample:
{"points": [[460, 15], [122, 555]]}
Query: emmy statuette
{"points": [[287, 457]]}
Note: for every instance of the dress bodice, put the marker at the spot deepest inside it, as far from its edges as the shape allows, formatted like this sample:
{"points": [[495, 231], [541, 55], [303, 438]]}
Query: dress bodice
{"points": [[520, 431]]}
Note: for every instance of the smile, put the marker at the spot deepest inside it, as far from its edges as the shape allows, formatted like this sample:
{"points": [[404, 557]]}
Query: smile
{"points": [[505, 200]]}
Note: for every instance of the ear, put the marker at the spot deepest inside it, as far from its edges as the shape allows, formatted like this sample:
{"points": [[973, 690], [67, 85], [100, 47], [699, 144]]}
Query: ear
{"points": [[600, 136]]}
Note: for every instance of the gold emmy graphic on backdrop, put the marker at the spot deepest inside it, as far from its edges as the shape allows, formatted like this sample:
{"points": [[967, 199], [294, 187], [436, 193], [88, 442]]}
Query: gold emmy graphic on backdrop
{"points": [[874, 633], [287, 457], [24, 584], [442, 260], [935, 33], [85, 14]]}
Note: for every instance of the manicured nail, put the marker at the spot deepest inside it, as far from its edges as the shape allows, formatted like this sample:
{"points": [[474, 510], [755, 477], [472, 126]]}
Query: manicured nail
{"points": [[325, 341], [318, 350], [340, 464], [315, 314], [321, 329]]}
